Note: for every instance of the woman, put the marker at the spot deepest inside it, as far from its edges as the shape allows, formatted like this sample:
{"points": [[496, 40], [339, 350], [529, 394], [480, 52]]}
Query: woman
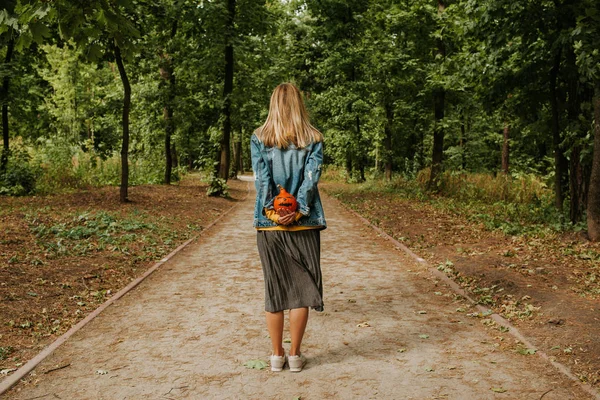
{"points": [[288, 151]]}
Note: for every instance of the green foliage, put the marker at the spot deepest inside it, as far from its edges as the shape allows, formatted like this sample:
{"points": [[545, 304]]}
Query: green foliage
{"points": [[19, 178], [217, 187], [5, 352], [370, 72]]}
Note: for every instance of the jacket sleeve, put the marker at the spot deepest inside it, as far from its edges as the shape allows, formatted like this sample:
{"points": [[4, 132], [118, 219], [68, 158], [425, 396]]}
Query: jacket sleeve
{"points": [[262, 173], [312, 173]]}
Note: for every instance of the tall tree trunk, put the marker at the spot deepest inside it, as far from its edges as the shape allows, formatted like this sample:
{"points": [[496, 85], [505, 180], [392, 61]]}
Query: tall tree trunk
{"points": [[361, 156], [168, 116], [559, 157], [576, 185], [4, 98], [389, 112], [169, 121], [237, 158], [227, 90], [505, 148], [125, 143], [439, 97], [461, 142], [348, 164], [174, 157], [593, 204]]}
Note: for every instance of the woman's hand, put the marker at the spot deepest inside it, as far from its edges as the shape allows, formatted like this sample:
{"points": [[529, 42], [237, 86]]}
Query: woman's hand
{"points": [[286, 217]]}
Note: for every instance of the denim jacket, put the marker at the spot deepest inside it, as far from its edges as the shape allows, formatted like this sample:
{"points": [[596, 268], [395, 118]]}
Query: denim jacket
{"points": [[297, 170]]}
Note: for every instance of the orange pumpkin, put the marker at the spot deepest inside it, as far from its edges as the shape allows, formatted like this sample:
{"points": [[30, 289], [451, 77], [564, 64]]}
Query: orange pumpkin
{"points": [[284, 201]]}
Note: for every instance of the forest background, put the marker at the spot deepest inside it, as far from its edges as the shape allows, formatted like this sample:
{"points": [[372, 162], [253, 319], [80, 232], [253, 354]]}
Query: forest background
{"points": [[487, 99]]}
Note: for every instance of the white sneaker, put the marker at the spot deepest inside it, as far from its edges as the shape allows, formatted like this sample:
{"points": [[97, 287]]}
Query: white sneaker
{"points": [[277, 362], [296, 363]]}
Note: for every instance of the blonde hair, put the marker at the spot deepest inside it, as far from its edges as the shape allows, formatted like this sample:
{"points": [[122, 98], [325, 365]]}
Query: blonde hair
{"points": [[288, 120]]}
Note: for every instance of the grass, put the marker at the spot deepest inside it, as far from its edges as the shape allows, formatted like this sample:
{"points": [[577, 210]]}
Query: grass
{"points": [[85, 232], [519, 205]]}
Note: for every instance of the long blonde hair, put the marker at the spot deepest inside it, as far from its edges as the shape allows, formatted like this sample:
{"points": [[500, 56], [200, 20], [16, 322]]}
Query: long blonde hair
{"points": [[288, 120]]}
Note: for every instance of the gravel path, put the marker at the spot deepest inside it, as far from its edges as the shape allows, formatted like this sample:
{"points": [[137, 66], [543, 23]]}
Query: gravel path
{"points": [[388, 332]]}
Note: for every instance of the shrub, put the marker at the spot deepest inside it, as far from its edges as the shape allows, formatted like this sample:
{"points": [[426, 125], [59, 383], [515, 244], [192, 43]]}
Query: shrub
{"points": [[217, 187], [19, 177]]}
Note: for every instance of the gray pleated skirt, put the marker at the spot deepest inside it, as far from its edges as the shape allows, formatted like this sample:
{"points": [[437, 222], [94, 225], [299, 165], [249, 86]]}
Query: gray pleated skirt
{"points": [[291, 264]]}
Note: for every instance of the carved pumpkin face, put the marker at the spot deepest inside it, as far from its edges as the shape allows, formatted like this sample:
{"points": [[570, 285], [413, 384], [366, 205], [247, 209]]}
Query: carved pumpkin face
{"points": [[284, 201]]}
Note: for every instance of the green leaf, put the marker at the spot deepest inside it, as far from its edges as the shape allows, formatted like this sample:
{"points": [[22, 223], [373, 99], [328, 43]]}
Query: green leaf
{"points": [[255, 364], [498, 390], [525, 351], [39, 31], [424, 336]]}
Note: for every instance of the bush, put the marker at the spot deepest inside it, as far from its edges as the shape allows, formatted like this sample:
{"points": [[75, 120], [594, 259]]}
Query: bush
{"points": [[19, 177], [217, 187]]}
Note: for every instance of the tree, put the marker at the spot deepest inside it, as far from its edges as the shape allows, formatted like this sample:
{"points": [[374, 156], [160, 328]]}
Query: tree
{"points": [[21, 23], [106, 29], [587, 33]]}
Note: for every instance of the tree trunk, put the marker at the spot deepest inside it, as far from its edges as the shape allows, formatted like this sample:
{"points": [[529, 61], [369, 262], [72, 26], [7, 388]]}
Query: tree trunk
{"points": [[593, 205], [168, 114], [389, 112], [348, 164], [559, 158], [125, 143], [237, 158], [505, 148], [576, 185], [227, 90], [4, 98], [174, 158], [461, 142], [439, 97], [361, 156]]}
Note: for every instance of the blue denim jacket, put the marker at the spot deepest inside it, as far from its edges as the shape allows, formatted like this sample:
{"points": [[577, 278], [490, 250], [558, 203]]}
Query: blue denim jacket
{"points": [[297, 170]]}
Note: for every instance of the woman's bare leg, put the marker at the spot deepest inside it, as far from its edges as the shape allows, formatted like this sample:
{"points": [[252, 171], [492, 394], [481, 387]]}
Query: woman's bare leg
{"points": [[275, 327], [298, 320]]}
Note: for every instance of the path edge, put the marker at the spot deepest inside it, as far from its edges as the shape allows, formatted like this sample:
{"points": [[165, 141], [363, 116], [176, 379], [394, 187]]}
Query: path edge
{"points": [[30, 365], [500, 320]]}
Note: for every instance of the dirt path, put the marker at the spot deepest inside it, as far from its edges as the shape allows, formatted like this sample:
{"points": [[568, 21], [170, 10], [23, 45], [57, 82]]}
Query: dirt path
{"points": [[186, 332]]}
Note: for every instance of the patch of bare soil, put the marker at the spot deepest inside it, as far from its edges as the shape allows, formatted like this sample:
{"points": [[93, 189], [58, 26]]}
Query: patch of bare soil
{"points": [[63, 255], [548, 286]]}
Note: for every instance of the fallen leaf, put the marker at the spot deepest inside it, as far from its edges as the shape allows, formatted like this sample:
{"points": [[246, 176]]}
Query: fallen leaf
{"points": [[525, 351], [7, 371], [255, 364], [498, 390], [424, 336]]}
